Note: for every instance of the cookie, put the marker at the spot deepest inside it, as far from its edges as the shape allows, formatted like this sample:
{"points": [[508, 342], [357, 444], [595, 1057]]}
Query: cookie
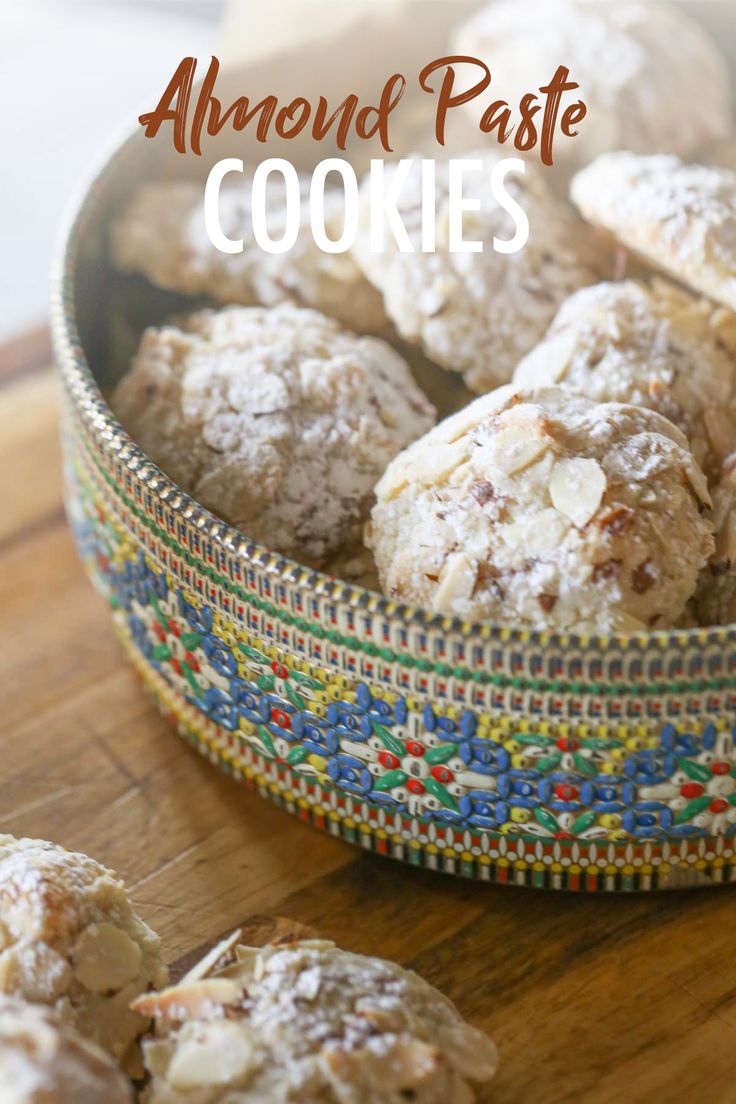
{"points": [[43, 1061], [650, 76], [303, 1021], [478, 313], [681, 218], [70, 939], [542, 509], [275, 419], [715, 597], [161, 234], [657, 347]]}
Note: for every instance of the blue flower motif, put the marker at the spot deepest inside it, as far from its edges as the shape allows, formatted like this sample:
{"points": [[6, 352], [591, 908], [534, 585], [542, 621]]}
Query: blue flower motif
{"points": [[360, 716], [483, 757], [447, 729], [346, 716], [247, 697], [141, 637], [650, 766], [685, 744], [218, 706], [123, 586], [219, 655], [316, 736], [607, 794], [481, 810], [201, 620], [349, 774], [137, 581], [650, 820]]}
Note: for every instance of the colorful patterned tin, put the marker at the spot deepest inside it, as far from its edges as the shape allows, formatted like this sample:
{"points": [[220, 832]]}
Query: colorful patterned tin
{"points": [[572, 762]]}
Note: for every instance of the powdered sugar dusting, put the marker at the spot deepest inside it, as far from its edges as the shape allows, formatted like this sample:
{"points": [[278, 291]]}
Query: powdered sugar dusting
{"points": [[478, 313], [656, 347], [542, 508], [316, 1023], [161, 233], [680, 217], [650, 76], [70, 938], [277, 420], [41, 1060]]}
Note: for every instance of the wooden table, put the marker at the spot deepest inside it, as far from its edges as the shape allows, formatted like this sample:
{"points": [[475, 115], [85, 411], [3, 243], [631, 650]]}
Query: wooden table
{"points": [[589, 999]]}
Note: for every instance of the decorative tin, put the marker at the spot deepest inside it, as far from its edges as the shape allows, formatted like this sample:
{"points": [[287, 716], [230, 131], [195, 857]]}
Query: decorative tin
{"points": [[571, 762]]}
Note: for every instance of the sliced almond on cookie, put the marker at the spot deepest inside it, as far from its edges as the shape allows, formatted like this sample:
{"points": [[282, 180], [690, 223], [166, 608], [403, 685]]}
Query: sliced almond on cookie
{"points": [[457, 580], [219, 1054], [576, 488], [726, 538], [207, 964], [105, 958], [721, 430], [698, 483], [622, 621], [197, 998], [514, 448]]}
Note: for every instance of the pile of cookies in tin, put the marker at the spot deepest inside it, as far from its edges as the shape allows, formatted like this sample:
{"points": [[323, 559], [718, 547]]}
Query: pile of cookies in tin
{"points": [[591, 485], [82, 978]]}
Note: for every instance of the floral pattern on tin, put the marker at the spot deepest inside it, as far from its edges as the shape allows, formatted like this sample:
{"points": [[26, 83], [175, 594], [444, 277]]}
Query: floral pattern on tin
{"points": [[424, 764]]}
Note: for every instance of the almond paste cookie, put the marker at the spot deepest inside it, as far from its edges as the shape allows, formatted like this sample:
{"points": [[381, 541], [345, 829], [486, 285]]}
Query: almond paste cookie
{"points": [[651, 346], [43, 1061], [715, 598], [161, 234], [542, 509], [69, 938], [681, 218], [478, 313], [649, 75], [306, 1022], [274, 418]]}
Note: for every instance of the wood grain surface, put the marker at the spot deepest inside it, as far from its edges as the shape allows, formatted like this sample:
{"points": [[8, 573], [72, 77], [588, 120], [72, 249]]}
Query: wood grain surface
{"points": [[589, 999]]}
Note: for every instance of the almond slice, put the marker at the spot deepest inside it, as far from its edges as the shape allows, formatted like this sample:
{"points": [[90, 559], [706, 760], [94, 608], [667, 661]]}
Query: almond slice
{"points": [[456, 580], [698, 482], [438, 465], [721, 430], [210, 960], [105, 958], [475, 413], [576, 488], [626, 622], [515, 448], [726, 538], [219, 1054], [197, 998], [246, 954]]}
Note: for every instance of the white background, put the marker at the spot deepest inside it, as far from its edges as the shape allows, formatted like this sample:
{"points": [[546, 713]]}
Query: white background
{"points": [[71, 73]]}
